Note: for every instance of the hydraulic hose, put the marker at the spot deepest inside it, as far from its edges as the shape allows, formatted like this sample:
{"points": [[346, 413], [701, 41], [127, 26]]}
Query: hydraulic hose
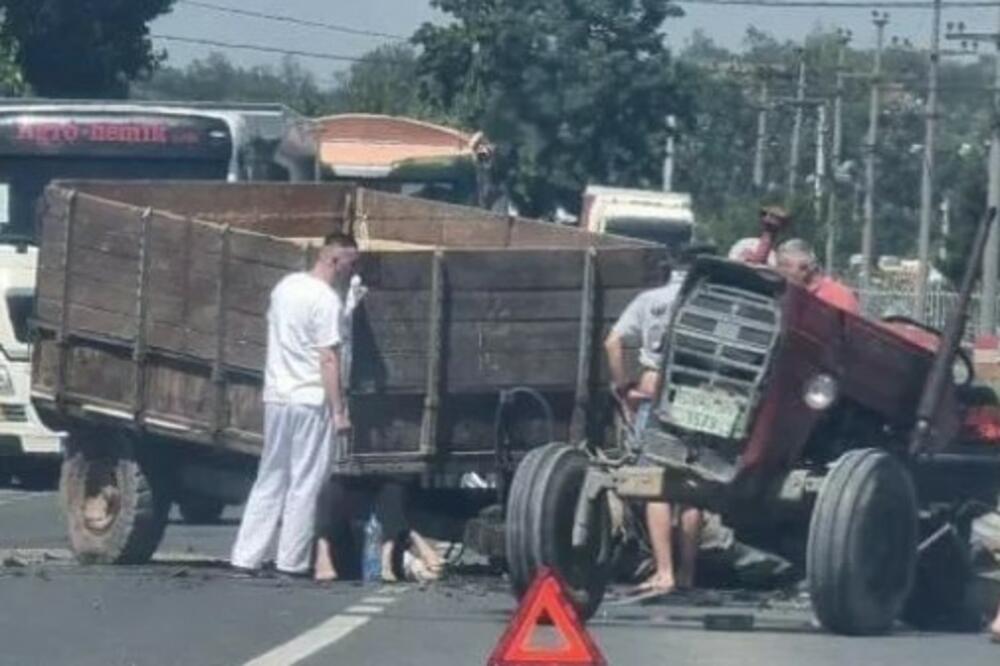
{"points": [[500, 441]]}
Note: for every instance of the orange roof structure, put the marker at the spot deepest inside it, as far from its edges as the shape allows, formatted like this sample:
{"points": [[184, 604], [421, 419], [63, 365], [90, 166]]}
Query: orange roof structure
{"points": [[358, 144]]}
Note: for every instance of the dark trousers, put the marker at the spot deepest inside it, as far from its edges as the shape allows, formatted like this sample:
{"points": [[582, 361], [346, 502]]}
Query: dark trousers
{"points": [[346, 499]]}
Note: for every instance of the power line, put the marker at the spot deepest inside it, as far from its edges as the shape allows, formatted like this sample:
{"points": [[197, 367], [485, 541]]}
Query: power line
{"points": [[335, 27], [843, 4], [257, 47]]}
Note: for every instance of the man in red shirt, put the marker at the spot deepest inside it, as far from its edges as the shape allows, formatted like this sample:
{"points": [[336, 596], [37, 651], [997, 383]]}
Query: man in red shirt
{"points": [[797, 262]]}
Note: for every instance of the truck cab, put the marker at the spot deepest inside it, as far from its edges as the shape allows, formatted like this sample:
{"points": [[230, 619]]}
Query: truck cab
{"points": [[665, 218], [21, 430]]}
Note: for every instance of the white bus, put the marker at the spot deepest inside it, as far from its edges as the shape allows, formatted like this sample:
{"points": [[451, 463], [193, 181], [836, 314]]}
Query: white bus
{"points": [[46, 140]]}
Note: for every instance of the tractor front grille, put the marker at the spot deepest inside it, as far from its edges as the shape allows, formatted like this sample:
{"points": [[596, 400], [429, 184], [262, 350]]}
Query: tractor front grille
{"points": [[723, 339]]}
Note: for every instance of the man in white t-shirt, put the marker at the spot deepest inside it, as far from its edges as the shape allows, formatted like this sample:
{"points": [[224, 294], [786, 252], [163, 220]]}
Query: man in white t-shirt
{"points": [[644, 323], [305, 409]]}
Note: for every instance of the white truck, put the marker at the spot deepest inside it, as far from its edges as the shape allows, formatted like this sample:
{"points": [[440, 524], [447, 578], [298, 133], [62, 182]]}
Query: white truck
{"points": [[28, 450], [666, 218]]}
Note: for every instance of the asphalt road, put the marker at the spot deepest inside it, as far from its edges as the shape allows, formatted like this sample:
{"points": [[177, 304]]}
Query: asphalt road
{"points": [[187, 609]]}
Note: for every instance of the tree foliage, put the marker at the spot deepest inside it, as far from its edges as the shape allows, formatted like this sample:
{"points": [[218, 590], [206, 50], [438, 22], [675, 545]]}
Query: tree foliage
{"points": [[383, 81], [81, 48], [217, 79], [716, 156], [571, 91]]}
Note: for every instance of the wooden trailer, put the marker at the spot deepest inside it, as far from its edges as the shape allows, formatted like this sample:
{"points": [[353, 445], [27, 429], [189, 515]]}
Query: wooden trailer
{"points": [[479, 337]]}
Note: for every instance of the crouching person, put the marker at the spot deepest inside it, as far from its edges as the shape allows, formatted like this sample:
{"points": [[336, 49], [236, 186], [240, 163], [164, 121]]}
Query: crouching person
{"points": [[405, 554]]}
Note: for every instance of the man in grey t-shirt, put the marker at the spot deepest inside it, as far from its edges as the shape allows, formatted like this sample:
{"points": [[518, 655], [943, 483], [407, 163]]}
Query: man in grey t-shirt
{"points": [[644, 324]]}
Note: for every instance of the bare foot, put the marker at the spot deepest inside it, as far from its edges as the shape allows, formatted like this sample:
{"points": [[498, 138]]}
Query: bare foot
{"points": [[324, 571], [658, 582], [416, 569], [426, 552], [995, 630], [325, 574], [388, 575]]}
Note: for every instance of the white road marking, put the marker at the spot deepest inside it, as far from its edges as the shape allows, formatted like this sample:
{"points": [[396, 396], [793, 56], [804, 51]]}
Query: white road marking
{"points": [[329, 632], [379, 600], [361, 609]]}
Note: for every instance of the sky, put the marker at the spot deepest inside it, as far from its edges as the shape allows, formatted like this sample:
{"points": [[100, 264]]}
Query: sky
{"points": [[725, 24]]}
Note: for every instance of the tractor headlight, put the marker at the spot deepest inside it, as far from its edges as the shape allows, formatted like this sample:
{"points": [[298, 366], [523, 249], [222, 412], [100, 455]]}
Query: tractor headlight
{"points": [[820, 392]]}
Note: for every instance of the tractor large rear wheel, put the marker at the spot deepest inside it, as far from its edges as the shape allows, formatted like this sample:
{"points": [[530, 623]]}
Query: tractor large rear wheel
{"points": [[862, 544], [540, 516]]}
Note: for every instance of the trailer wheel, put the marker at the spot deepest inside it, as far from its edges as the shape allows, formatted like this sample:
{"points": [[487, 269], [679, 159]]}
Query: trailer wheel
{"points": [[862, 544], [200, 510], [115, 514], [540, 526]]}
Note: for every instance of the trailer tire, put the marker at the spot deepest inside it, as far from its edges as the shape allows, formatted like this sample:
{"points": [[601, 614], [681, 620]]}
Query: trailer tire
{"points": [[862, 547], [115, 511], [544, 531], [200, 510]]}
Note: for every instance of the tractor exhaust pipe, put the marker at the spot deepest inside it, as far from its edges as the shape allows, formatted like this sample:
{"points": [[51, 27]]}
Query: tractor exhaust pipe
{"points": [[940, 374]]}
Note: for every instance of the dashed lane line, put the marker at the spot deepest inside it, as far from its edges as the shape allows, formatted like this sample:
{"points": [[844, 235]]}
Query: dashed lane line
{"points": [[329, 632]]}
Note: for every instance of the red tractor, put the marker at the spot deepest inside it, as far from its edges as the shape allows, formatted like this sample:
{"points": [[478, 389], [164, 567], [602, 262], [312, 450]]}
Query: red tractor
{"points": [[858, 448]]}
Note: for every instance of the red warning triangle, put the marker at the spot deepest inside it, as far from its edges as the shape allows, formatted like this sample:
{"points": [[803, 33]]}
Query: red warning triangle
{"points": [[546, 601]]}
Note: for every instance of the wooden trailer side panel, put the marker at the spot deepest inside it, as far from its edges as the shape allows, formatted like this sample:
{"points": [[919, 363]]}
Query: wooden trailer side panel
{"points": [[396, 217], [278, 209], [162, 321]]}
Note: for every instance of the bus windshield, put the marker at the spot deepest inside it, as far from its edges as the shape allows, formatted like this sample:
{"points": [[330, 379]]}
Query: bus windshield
{"points": [[45, 141]]}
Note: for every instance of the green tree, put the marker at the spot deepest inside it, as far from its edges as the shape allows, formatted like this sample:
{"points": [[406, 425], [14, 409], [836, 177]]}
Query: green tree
{"points": [[217, 79], [11, 81], [571, 91], [383, 81], [81, 48]]}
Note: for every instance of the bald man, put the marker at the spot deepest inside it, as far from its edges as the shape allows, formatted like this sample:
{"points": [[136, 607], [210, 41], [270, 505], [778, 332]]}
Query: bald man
{"points": [[798, 263]]}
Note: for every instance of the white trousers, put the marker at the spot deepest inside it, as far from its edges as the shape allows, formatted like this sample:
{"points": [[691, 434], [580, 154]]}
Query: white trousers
{"points": [[282, 504]]}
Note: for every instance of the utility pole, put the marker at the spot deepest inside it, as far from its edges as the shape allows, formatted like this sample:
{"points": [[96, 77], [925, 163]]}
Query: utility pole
{"points": [[819, 172], [800, 96], [838, 145], [761, 144], [880, 19], [927, 174], [991, 257], [668, 159], [945, 228]]}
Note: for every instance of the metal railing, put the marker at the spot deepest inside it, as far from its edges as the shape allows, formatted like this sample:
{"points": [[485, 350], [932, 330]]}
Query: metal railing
{"points": [[878, 303]]}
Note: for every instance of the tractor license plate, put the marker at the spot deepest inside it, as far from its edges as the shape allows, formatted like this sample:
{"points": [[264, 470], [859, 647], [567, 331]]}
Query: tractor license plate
{"points": [[705, 411]]}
